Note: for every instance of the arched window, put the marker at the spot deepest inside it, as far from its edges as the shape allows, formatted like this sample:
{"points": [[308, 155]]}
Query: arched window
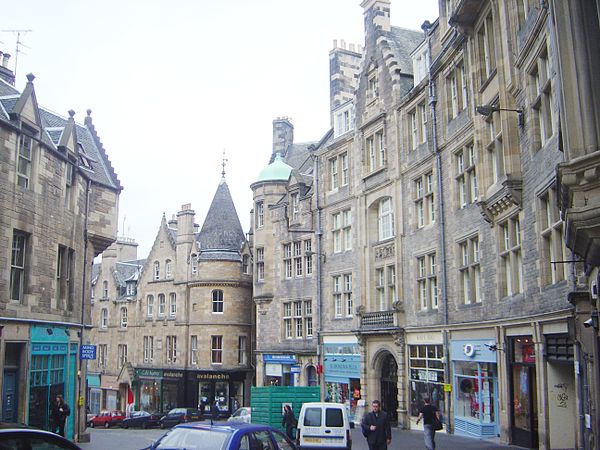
{"points": [[172, 304], [156, 270], [246, 264], [104, 318], [194, 262], [105, 289], [123, 317], [162, 304], [385, 216], [150, 306], [168, 269], [217, 301]]}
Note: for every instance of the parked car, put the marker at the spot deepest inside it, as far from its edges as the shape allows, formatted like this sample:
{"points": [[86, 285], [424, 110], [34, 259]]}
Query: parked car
{"points": [[324, 425], [107, 419], [179, 415], [142, 419], [228, 436], [243, 414], [18, 436]]}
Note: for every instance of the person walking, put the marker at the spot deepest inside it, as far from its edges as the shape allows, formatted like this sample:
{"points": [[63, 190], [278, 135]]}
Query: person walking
{"points": [[289, 421], [60, 412], [428, 414], [376, 427]]}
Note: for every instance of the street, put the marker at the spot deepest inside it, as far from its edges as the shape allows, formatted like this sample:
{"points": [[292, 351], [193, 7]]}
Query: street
{"points": [[103, 439]]}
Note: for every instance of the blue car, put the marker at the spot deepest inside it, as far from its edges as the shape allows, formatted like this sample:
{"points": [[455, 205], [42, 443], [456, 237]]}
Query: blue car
{"points": [[232, 436]]}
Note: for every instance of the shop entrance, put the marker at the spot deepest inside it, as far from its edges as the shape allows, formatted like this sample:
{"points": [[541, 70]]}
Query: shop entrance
{"points": [[524, 393], [389, 387]]}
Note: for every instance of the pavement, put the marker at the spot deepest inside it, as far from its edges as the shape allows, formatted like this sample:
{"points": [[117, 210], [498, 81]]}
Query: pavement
{"points": [[135, 439]]}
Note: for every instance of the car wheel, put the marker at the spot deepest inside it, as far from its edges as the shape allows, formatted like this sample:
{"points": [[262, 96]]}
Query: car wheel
{"points": [[162, 425], [91, 424], [125, 425], [144, 425], [106, 425]]}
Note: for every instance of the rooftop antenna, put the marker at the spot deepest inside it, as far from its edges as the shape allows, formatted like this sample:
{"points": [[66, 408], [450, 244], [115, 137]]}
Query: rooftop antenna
{"points": [[223, 164], [18, 46]]}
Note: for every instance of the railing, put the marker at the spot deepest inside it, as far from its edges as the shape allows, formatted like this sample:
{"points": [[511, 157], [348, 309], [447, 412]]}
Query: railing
{"points": [[375, 320]]}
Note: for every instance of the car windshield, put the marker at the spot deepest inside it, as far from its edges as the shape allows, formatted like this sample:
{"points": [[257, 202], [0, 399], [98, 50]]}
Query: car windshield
{"points": [[193, 439]]}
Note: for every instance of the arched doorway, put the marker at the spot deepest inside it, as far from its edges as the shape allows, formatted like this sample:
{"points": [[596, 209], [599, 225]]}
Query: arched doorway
{"points": [[389, 387], [311, 376]]}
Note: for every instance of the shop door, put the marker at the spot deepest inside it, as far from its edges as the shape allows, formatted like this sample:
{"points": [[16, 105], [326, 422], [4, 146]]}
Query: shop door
{"points": [[9, 396], [524, 406], [389, 388]]}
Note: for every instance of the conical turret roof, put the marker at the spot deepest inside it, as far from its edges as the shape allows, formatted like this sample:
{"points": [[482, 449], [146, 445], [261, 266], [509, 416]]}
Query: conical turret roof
{"points": [[221, 236]]}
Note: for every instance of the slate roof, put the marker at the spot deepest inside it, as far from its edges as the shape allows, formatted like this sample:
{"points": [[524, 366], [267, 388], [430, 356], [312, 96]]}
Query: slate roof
{"points": [[221, 236], [404, 41], [53, 124]]}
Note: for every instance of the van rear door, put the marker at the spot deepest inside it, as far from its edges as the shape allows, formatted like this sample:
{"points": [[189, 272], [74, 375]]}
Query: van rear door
{"points": [[323, 427]]}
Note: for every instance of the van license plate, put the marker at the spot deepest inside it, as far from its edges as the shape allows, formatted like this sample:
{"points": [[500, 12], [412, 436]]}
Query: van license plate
{"points": [[312, 440]]}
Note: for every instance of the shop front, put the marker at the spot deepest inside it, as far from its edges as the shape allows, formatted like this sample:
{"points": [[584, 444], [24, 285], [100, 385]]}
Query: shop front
{"points": [[216, 393], [173, 394], [342, 372], [278, 369], [52, 372], [475, 387], [523, 390], [94, 400], [148, 389], [111, 393], [426, 365]]}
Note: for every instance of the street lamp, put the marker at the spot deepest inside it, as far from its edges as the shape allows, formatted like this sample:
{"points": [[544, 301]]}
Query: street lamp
{"points": [[488, 110]]}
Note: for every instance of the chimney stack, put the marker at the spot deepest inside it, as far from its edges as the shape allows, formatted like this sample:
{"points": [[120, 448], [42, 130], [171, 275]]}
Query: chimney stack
{"points": [[5, 73], [283, 136]]}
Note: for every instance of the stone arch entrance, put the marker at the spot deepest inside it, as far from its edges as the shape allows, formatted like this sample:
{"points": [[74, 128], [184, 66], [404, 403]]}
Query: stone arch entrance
{"points": [[389, 387]]}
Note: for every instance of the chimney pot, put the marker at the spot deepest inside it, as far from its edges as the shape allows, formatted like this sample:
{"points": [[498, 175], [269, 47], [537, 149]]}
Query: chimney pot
{"points": [[30, 77]]}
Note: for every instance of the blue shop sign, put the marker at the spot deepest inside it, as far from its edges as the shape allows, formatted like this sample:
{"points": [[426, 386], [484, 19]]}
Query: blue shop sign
{"points": [[87, 352], [295, 369], [279, 359], [482, 350], [342, 366]]}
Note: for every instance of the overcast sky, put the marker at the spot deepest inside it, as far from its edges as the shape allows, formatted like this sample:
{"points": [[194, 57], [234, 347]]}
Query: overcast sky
{"points": [[173, 83]]}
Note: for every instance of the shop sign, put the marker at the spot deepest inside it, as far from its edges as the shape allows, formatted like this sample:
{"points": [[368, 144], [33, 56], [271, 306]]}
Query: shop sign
{"points": [[483, 350], [149, 373], [273, 370], [295, 369], [87, 352], [342, 365], [447, 387], [212, 376], [280, 359], [173, 374], [426, 375]]}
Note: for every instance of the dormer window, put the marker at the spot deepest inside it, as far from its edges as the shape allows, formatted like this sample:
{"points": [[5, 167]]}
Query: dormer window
{"points": [[343, 119], [295, 203], [168, 269], [373, 85], [156, 270], [131, 290]]}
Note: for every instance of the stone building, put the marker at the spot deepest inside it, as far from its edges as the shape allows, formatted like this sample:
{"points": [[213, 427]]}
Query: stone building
{"points": [[182, 335], [434, 214], [59, 197]]}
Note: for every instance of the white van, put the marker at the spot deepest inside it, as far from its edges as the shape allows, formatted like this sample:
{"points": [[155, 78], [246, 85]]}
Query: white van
{"points": [[324, 425]]}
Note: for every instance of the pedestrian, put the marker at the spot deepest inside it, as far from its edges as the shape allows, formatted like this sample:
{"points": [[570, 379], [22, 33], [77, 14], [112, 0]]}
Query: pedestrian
{"points": [[289, 421], [60, 412], [428, 413], [376, 427]]}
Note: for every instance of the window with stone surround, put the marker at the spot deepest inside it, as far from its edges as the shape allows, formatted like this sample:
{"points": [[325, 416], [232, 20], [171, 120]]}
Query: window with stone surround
{"points": [[495, 148], [298, 266], [342, 231], [105, 290], [297, 319], [385, 219], [104, 318], [242, 350], [148, 349], [385, 286], [260, 264], [124, 317], [168, 269], [260, 214], [308, 263], [342, 295], [511, 259], [156, 270], [102, 355], [427, 290], [171, 350], [423, 200], [149, 305], [553, 249], [172, 304], [25, 161], [121, 355], [18, 265], [217, 301], [216, 354], [162, 305], [542, 102], [194, 349], [466, 175], [375, 151], [295, 205], [486, 48], [287, 260], [469, 270], [64, 269], [456, 83]]}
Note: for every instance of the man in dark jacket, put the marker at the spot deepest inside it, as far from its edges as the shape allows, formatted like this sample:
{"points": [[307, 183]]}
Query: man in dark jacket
{"points": [[60, 412], [376, 428]]}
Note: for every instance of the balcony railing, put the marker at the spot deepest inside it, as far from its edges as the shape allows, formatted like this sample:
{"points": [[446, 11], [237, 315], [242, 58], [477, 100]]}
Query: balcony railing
{"points": [[377, 320]]}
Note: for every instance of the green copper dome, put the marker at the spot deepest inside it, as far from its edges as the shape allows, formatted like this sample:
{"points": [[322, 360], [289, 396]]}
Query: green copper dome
{"points": [[276, 171]]}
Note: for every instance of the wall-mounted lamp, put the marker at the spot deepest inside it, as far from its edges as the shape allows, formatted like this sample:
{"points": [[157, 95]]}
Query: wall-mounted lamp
{"points": [[488, 110], [310, 253], [49, 331], [67, 332], [592, 322], [494, 347]]}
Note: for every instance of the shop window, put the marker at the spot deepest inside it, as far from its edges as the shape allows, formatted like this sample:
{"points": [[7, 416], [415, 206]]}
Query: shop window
{"points": [[475, 385], [426, 369]]}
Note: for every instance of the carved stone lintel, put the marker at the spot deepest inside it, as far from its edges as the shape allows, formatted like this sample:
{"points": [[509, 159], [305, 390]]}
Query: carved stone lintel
{"points": [[385, 252], [360, 310], [399, 338]]}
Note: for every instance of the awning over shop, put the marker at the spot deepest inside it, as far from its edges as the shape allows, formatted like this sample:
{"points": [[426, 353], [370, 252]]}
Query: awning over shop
{"points": [[93, 380]]}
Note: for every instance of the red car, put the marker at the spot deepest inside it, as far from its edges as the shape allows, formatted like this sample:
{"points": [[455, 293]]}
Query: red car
{"points": [[107, 419]]}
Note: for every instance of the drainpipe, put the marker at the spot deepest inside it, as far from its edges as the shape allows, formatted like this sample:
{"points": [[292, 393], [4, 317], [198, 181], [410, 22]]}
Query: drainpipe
{"points": [[79, 425], [441, 222], [319, 254]]}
